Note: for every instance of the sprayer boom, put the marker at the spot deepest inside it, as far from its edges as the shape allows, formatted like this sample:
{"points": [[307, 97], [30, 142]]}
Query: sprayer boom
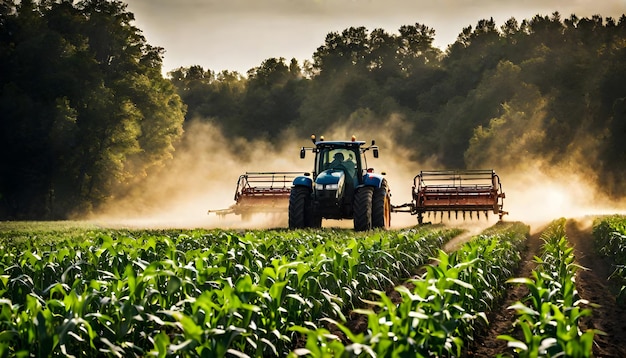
{"points": [[260, 192], [465, 191]]}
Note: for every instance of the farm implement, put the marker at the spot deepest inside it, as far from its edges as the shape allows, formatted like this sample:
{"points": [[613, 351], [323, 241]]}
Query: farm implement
{"points": [[465, 191], [260, 192], [343, 186]]}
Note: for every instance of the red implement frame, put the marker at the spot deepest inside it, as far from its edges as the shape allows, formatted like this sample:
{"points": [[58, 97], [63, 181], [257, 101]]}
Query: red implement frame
{"points": [[261, 192], [457, 191]]}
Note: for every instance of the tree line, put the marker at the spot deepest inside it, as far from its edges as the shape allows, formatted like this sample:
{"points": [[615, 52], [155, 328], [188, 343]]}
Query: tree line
{"points": [[83, 103], [85, 108], [546, 91]]}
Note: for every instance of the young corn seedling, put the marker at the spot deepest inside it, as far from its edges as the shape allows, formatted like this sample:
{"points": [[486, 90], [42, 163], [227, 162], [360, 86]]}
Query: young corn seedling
{"points": [[549, 321]]}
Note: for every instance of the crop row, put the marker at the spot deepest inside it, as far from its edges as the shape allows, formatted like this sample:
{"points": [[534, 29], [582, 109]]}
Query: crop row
{"points": [[439, 312], [548, 318], [610, 241], [193, 293]]}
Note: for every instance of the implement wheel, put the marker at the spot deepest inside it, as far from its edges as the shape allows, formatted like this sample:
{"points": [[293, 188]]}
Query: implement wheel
{"points": [[363, 208], [381, 207], [300, 208]]}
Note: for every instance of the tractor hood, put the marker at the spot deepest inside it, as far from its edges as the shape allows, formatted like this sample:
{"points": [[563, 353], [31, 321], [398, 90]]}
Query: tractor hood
{"points": [[331, 182], [330, 177]]}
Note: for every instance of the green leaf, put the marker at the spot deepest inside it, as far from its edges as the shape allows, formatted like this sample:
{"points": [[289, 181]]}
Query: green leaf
{"points": [[173, 284]]}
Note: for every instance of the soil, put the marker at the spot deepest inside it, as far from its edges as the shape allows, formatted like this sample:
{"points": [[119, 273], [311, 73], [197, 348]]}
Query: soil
{"points": [[592, 285], [501, 320]]}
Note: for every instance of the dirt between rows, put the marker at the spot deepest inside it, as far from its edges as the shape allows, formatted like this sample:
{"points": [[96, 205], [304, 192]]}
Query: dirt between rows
{"points": [[592, 284]]}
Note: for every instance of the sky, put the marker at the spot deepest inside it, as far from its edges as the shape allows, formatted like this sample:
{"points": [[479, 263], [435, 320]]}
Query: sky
{"points": [[237, 35]]}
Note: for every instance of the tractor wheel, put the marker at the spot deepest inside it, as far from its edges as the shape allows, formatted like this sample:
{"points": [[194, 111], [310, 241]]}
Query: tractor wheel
{"points": [[363, 209], [299, 207], [316, 221], [381, 207]]}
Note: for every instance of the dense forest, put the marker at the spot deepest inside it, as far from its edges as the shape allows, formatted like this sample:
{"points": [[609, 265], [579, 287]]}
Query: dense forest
{"points": [[85, 108]]}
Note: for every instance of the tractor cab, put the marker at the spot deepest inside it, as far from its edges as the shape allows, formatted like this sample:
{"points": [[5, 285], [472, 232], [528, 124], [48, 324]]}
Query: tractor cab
{"points": [[338, 158], [342, 157], [341, 187]]}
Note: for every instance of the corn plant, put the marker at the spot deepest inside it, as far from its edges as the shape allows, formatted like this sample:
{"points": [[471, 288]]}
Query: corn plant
{"points": [[548, 318], [142, 293], [441, 310], [610, 241]]}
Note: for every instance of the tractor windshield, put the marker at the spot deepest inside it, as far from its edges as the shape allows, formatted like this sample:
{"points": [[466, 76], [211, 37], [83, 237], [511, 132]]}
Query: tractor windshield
{"points": [[338, 158]]}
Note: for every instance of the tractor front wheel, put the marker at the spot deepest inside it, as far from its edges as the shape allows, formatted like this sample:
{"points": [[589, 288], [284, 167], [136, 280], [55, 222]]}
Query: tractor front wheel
{"points": [[363, 208], [299, 208], [381, 207]]}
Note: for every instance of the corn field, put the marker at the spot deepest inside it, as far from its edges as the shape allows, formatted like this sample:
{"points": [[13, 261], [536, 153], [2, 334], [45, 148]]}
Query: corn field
{"points": [[192, 293], [549, 316], [85, 291]]}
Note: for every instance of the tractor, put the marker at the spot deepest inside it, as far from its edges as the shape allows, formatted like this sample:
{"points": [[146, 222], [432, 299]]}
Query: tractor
{"points": [[342, 186]]}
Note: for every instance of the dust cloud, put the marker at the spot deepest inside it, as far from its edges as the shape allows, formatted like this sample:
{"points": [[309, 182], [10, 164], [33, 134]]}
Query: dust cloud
{"points": [[203, 175], [537, 195], [206, 166]]}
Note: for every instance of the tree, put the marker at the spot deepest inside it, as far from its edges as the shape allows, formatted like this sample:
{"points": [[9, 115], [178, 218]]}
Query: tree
{"points": [[86, 106], [272, 98], [515, 138], [343, 52], [416, 47]]}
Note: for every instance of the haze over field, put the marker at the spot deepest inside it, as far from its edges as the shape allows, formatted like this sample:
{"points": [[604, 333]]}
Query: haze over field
{"points": [[204, 173], [540, 98], [238, 35]]}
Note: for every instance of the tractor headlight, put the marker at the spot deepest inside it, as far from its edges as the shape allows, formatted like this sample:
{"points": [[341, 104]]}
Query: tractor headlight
{"points": [[327, 187]]}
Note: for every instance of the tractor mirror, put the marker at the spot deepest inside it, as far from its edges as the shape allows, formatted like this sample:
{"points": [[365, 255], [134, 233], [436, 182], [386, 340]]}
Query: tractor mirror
{"points": [[375, 152], [302, 153]]}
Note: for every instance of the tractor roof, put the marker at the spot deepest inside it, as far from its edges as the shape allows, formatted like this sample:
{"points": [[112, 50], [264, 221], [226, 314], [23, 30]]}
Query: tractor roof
{"points": [[339, 144]]}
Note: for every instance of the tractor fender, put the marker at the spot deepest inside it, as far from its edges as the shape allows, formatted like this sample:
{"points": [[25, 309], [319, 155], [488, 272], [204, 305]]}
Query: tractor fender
{"points": [[303, 181], [371, 179]]}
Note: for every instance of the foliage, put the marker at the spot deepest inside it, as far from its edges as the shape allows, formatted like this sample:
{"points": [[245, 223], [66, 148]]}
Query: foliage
{"points": [[495, 94], [84, 106], [609, 235], [549, 315], [80, 291]]}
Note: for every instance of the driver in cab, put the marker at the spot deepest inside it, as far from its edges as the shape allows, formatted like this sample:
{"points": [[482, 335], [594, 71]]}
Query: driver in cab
{"points": [[348, 166]]}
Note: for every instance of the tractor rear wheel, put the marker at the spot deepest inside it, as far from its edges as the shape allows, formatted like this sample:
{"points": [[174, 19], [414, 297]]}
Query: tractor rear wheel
{"points": [[363, 208], [316, 220], [381, 207], [299, 208]]}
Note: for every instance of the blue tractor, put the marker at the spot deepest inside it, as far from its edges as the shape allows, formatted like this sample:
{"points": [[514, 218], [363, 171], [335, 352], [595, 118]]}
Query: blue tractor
{"points": [[341, 187]]}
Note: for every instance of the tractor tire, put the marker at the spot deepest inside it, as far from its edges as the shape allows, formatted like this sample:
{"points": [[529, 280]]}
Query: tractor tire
{"points": [[363, 208], [316, 220], [299, 208], [381, 207]]}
